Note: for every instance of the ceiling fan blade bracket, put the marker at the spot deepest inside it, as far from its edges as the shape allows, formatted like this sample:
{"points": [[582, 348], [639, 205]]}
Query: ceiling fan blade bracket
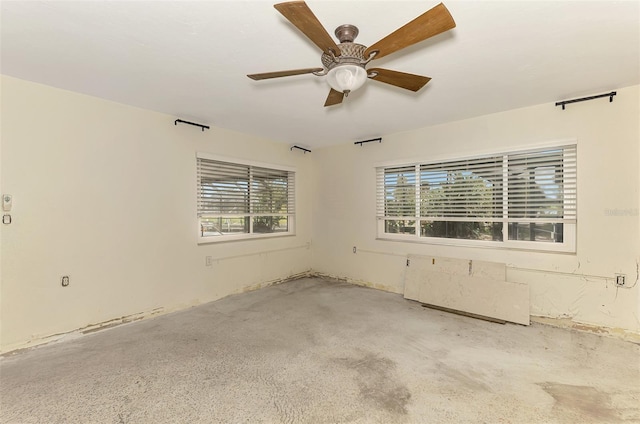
{"points": [[372, 74], [334, 56], [371, 55], [320, 73]]}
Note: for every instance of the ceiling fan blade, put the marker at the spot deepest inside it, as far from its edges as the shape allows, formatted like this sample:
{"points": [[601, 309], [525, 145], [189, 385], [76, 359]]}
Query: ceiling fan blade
{"points": [[430, 23], [399, 79], [279, 74], [299, 14], [335, 97]]}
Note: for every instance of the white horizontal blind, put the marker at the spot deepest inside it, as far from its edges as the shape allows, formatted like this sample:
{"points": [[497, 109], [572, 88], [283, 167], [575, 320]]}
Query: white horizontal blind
{"points": [[470, 188], [515, 198], [230, 189], [396, 189], [223, 188], [542, 185], [271, 191]]}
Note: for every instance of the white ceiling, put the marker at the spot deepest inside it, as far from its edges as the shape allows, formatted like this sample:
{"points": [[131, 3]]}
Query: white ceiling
{"points": [[190, 60]]}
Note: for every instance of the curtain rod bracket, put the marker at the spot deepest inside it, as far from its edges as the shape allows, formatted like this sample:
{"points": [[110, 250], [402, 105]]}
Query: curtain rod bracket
{"points": [[191, 123]]}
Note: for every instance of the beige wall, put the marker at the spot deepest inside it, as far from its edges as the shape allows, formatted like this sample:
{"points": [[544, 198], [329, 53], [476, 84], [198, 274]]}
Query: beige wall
{"points": [[105, 193], [576, 286]]}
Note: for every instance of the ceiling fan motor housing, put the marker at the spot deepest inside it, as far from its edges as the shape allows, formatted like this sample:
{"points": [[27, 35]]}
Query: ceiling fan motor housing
{"points": [[350, 53]]}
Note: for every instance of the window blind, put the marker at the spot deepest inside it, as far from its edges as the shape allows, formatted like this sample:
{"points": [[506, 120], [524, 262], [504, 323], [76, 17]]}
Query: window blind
{"points": [[232, 189], [466, 188], [223, 188], [542, 185], [397, 186], [527, 196], [271, 191]]}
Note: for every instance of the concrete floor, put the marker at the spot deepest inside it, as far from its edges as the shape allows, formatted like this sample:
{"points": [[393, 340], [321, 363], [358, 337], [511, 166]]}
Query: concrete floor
{"points": [[320, 351]]}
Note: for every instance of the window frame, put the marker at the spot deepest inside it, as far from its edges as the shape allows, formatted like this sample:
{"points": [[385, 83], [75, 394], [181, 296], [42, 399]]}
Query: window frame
{"points": [[568, 245], [250, 235]]}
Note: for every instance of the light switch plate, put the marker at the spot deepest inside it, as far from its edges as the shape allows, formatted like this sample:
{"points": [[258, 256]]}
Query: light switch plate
{"points": [[7, 201]]}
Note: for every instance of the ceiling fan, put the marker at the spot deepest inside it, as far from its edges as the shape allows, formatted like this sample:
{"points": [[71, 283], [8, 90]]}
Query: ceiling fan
{"points": [[344, 64]]}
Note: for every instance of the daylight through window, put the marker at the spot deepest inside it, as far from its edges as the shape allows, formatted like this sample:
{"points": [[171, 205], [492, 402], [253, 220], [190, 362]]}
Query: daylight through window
{"points": [[242, 200], [522, 200]]}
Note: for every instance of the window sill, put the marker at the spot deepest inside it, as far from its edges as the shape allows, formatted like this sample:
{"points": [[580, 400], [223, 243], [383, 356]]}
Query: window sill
{"points": [[478, 244], [241, 237]]}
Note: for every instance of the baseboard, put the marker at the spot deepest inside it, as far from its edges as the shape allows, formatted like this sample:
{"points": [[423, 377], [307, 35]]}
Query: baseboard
{"points": [[356, 282], [568, 323], [127, 319]]}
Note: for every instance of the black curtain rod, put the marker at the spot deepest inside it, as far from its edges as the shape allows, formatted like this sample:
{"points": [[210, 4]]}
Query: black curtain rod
{"points": [[583, 99], [191, 123], [379, 140], [301, 148]]}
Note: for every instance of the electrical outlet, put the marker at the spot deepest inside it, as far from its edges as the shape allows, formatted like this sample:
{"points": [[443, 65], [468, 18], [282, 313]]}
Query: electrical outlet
{"points": [[620, 279], [64, 280], [208, 261]]}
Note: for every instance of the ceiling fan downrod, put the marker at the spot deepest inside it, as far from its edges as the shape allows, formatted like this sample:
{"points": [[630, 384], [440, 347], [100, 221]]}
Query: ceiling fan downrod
{"points": [[347, 33]]}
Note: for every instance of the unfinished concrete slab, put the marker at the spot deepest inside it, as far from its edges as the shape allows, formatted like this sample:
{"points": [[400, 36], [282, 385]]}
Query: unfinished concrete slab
{"points": [[322, 351]]}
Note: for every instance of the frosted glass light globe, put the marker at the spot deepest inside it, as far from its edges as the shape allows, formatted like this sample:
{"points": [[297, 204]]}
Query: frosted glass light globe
{"points": [[346, 78]]}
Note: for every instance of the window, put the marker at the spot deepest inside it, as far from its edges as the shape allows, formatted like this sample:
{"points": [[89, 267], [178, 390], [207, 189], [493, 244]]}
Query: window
{"points": [[515, 200], [242, 200]]}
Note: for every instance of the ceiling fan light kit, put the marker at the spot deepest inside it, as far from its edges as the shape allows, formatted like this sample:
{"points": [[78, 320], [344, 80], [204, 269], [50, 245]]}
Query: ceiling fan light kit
{"points": [[345, 63], [346, 73], [346, 78]]}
